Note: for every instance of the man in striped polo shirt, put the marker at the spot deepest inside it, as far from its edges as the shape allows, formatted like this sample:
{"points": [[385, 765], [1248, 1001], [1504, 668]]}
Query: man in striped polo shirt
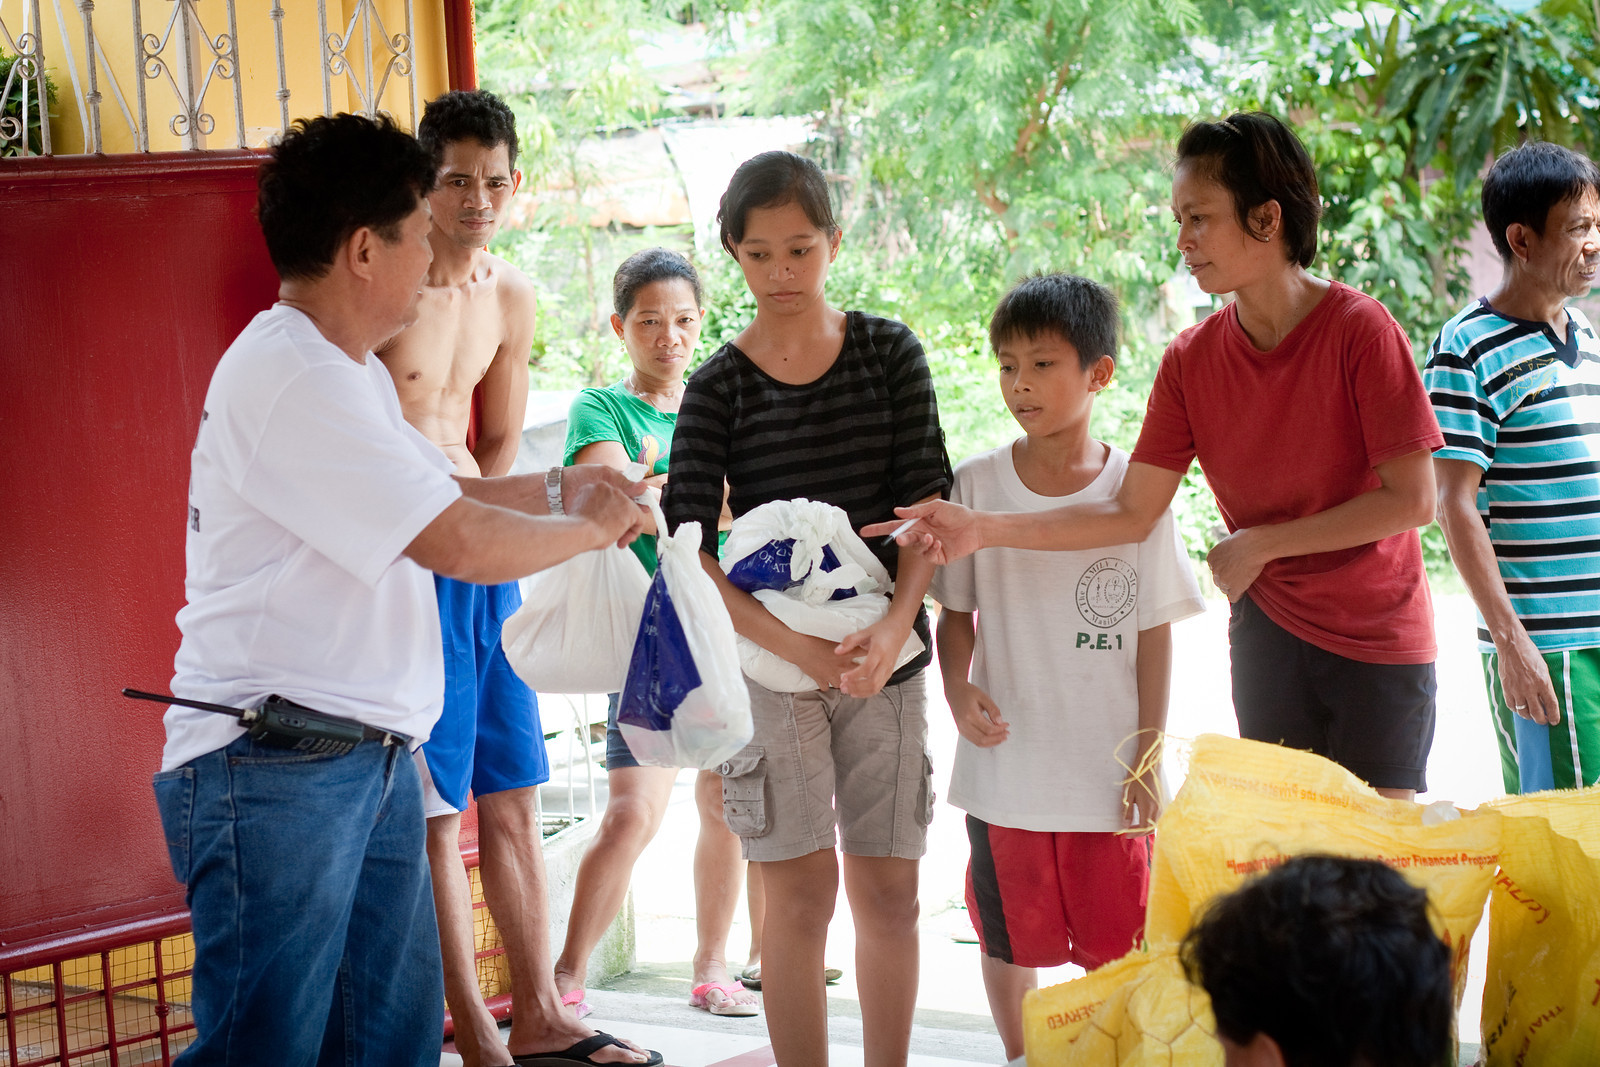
{"points": [[1515, 382]]}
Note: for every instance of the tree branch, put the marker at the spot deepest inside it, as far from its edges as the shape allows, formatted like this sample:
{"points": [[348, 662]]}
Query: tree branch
{"points": [[1039, 111]]}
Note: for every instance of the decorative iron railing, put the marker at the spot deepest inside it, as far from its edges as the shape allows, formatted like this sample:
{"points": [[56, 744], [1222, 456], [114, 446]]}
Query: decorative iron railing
{"points": [[192, 71]]}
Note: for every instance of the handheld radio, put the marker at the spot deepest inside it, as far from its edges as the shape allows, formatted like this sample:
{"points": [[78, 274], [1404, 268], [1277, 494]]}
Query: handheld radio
{"points": [[281, 723]]}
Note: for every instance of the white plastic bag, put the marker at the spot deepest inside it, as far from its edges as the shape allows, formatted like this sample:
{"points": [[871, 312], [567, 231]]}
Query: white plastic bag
{"points": [[684, 703], [802, 547], [807, 566], [575, 629]]}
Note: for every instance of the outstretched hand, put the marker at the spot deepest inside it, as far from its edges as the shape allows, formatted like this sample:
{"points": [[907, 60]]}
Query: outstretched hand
{"points": [[616, 515], [592, 491], [944, 531]]}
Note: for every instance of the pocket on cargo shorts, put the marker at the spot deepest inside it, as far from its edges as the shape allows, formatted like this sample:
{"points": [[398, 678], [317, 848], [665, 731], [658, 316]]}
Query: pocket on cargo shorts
{"points": [[744, 786], [926, 800]]}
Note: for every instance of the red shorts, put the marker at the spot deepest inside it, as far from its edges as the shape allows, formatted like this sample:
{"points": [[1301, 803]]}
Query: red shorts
{"points": [[1041, 899]]}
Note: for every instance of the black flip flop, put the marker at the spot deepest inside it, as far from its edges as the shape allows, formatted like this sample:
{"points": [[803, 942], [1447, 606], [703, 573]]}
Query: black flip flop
{"points": [[581, 1052]]}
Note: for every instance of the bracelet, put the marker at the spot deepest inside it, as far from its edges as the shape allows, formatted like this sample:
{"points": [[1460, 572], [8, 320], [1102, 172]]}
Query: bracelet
{"points": [[552, 490]]}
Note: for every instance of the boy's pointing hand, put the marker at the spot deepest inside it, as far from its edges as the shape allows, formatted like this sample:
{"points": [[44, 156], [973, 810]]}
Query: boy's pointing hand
{"points": [[944, 533]]}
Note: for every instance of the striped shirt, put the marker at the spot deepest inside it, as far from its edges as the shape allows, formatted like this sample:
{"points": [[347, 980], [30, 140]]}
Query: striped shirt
{"points": [[864, 436], [1524, 404]]}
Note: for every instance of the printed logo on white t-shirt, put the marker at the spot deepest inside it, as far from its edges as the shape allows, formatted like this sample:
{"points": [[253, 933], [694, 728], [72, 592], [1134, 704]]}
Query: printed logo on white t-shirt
{"points": [[1107, 592]]}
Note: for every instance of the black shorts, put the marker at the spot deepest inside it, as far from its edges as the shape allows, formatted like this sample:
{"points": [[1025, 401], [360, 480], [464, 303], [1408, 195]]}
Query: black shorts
{"points": [[1375, 719]]}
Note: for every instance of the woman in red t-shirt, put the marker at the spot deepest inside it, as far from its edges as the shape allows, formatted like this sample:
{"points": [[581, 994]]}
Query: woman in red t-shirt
{"points": [[1302, 402]]}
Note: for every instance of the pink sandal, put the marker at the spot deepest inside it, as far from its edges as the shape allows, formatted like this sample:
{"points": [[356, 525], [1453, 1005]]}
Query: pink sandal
{"points": [[576, 1001], [698, 998]]}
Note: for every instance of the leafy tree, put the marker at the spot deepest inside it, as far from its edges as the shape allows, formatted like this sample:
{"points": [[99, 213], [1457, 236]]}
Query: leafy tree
{"points": [[1475, 78], [570, 70]]}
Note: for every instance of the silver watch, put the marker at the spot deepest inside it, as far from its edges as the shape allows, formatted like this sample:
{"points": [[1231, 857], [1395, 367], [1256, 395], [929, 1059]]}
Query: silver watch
{"points": [[552, 490]]}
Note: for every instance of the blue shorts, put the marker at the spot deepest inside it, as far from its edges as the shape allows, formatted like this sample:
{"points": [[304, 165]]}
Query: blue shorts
{"points": [[488, 739]]}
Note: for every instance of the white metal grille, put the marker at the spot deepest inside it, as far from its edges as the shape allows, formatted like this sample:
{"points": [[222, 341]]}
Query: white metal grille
{"points": [[191, 69], [24, 79]]}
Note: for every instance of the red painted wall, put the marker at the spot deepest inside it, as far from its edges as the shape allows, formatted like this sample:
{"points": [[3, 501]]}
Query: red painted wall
{"points": [[124, 280]]}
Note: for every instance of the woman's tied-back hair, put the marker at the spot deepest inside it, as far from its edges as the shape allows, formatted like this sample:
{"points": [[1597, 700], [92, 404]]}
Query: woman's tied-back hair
{"points": [[1257, 158], [644, 267], [773, 179], [330, 176]]}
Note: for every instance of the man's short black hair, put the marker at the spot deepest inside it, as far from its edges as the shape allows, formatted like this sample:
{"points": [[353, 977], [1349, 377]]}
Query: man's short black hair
{"points": [[1526, 182], [330, 176], [1081, 312], [468, 114], [1257, 158], [1332, 958]]}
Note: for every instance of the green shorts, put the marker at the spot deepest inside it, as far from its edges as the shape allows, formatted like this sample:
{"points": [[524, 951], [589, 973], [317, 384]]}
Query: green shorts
{"points": [[1575, 741]]}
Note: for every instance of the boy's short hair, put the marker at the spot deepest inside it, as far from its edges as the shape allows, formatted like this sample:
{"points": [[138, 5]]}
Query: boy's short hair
{"points": [[1257, 158], [774, 179], [330, 176], [1081, 312], [1332, 958], [468, 114], [1526, 182]]}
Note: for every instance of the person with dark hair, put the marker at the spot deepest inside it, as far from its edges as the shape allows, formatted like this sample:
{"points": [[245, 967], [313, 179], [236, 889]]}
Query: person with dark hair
{"points": [[1055, 696], [467, 353], [315, 514], [1515, 381], [1324, 961], [1302, 403], [809, 401], [656, 313], [469, 115]]}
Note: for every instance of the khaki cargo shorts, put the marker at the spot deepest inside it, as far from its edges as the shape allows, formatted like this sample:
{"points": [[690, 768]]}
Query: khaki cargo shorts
{"points": [[818, 753]]}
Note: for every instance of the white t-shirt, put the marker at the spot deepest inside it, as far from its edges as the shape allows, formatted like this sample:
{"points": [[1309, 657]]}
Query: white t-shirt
{"points": [[1057, 637], [305, 486]]}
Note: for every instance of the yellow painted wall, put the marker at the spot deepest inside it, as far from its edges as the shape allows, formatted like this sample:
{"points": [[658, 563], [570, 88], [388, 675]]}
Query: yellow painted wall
{"points": [[65, 53]]}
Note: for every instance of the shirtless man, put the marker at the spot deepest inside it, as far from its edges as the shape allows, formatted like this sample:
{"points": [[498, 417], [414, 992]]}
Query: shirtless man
{"points": [[474, 329]]}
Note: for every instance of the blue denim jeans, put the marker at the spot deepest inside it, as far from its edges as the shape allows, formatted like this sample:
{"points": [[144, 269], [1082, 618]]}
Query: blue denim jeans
{"points": [[312, 907]]}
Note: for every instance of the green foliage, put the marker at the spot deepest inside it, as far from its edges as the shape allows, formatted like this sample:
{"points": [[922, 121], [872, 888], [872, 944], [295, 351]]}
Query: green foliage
{"points": [[1477, 78], [974, 141], [568, 68]]}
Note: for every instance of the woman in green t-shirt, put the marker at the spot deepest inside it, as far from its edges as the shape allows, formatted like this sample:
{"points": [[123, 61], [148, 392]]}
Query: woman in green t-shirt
{"points": [[656, 299]]}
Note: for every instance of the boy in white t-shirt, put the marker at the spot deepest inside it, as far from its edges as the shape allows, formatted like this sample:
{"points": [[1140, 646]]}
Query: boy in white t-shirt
{"points": [[1056, 665]]}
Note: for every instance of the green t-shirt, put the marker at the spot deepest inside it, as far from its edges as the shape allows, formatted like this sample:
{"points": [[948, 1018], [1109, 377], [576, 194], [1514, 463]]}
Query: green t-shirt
{"points": [[614, 414]]}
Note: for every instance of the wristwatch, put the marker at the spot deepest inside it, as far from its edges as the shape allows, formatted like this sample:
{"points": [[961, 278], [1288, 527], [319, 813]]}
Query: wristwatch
{"points": [[552, 490]]}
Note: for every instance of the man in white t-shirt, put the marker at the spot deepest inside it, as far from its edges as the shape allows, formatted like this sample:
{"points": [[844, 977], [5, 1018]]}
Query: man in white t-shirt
{"points": [[1056, 666], [315, 514]]}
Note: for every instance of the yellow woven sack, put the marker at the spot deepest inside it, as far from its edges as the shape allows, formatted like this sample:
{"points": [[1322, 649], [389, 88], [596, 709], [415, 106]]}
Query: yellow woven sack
{"points": [[1247, 807], [1136, 1010], [1541, 994]]}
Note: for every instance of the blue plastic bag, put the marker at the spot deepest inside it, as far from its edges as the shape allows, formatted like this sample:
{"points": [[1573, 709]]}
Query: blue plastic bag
{"points": [[684, 703]]}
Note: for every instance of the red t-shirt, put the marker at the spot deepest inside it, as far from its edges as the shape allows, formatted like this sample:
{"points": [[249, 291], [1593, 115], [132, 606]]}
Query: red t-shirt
{"points": [[1293, 432]]}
